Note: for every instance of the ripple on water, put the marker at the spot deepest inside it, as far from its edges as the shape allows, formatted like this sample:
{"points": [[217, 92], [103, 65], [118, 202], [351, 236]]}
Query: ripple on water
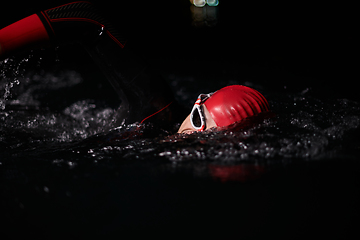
{"points": [[304, 127]]}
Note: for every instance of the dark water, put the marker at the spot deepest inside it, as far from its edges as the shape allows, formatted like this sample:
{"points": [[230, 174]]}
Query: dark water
{"points": [[65, 173]]}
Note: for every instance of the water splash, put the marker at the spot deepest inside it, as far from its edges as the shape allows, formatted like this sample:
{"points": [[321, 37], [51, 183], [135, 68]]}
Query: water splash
{"points": [[312, 130], [304, 128], [10, 72], [8, 86], [29, 93]]}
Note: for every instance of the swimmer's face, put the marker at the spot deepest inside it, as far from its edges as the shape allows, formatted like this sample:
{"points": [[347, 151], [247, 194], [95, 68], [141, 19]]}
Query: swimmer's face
{"points": [[187, 128]]}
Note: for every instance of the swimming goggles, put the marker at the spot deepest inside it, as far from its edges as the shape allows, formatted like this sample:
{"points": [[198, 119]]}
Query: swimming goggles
{"points": [[197, 116]]}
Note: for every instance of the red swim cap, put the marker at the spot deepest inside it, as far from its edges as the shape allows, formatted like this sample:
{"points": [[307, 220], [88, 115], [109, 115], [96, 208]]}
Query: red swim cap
{"points": [[234, 103]]}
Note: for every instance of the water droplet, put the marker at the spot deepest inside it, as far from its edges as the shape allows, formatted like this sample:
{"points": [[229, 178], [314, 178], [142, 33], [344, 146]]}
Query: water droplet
{"points": [[101, 30]]}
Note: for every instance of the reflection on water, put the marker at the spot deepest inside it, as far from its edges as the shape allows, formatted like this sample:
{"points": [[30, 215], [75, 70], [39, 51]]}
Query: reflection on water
{"points": [[62, 168], [236, 173]]}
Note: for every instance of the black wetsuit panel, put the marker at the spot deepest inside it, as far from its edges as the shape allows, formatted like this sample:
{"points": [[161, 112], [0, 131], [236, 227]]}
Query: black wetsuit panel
{"points": [[142, 92]]}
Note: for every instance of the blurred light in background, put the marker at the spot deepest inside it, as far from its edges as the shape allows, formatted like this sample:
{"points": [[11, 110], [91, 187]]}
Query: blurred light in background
{"points": [[202, 3], [212, 2], [198, 3]]}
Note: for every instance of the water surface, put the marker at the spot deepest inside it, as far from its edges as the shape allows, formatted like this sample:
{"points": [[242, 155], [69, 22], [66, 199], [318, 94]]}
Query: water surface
{"points": [[65, 171]]}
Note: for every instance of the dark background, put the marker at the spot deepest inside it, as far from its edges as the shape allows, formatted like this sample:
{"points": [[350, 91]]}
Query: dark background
{"points": [[311, 41], [298, 45]]}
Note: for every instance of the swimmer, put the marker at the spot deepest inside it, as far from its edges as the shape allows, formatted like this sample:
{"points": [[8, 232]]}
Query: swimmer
{"points": [[225, 107], [144, 95]]}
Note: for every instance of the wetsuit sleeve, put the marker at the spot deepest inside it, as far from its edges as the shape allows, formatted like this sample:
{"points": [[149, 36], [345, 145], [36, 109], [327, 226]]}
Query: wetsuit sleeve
{"points": [[144, 95], [27, 33]]}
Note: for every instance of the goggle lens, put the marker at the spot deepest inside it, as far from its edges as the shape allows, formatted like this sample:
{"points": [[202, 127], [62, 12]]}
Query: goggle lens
{"points": [[197, 116]]}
